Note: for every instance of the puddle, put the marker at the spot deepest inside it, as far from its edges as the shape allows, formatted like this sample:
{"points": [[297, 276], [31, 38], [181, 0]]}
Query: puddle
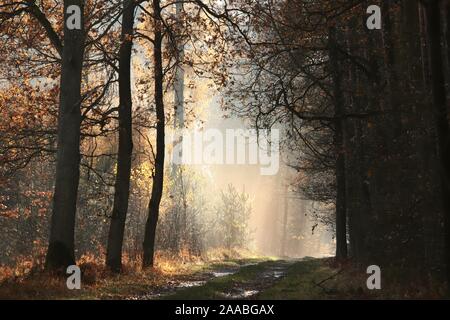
{"points": [[220, 274], [167, 290], [275, 273], [240, 294], [147, 297], [248, 293], [249, 264], [190, 284], [278, 274]]}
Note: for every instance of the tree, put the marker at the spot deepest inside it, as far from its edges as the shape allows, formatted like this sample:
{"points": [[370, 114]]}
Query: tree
{"points": [[158, 176], [122, 185], [233, 214], [440, 111], [341, 209], [61, 243], [75, 106]]}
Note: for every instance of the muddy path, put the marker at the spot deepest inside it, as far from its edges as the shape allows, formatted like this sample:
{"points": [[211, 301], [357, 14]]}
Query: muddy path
{"points": [[250, 289], [245, 282], [197, 279]]}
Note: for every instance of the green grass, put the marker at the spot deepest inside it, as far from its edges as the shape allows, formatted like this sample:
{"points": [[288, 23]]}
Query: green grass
{"points": [[301, 282], [320, 279]]}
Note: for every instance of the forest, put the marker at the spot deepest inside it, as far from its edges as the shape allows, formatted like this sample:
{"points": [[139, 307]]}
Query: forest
{"points": [[224, 149]]}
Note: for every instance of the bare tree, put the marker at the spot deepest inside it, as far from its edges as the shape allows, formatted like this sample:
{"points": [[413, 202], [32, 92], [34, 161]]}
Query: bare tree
{"points": [[158, 176], [122, 185]]}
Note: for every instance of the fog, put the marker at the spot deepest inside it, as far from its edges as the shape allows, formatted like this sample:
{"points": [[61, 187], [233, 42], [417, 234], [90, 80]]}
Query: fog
{"points": [[273, 202]]}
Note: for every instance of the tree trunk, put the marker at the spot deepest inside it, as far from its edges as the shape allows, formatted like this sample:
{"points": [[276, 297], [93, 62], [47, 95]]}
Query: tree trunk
{"points": [[122, 184], [440, 114], [179, 91], [60, 252], [391, 71], [180, 211], [341, 210], [158, 177], [285, 222], [357, 199], [447, 22]]}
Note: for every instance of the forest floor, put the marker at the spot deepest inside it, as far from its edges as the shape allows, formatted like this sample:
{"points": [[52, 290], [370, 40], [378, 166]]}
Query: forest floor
{"points": [[252, 278], [166, 278], [306, 278]]}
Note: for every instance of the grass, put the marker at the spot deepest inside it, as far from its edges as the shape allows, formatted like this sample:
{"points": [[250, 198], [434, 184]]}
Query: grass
{"points": [[316, 279], [305, 280], [320, 279]]}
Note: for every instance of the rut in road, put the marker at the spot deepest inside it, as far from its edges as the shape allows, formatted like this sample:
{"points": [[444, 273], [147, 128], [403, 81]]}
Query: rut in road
{"points": [[250, 289], [242, 282]]}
